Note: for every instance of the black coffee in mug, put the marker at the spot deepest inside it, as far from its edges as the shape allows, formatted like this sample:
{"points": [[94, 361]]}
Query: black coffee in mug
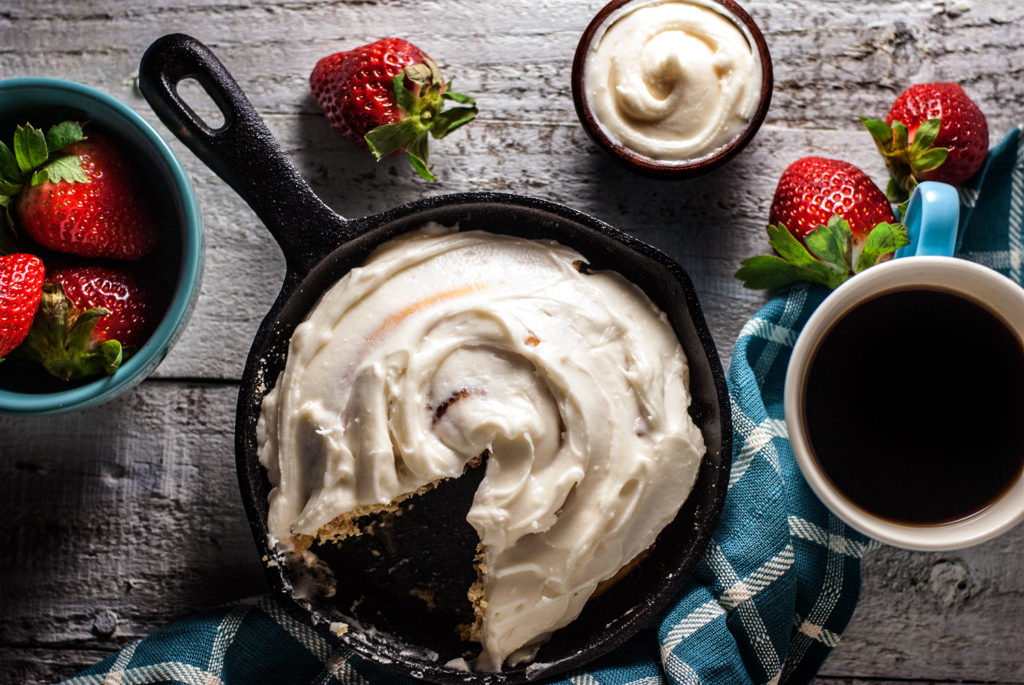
{"points": [[914, 406]]}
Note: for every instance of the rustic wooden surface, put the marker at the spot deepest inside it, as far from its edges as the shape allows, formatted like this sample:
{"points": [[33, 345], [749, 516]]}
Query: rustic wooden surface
{"points": [[120, 519]]}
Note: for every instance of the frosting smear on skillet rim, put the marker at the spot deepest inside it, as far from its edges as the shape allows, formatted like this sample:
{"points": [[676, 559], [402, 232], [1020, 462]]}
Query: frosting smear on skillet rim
{"points": [[447, 345]]}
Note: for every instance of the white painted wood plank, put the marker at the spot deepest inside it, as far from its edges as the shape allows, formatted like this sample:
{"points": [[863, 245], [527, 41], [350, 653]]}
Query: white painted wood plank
{"points": [[131, 508], [939, 616], [25, 665]]}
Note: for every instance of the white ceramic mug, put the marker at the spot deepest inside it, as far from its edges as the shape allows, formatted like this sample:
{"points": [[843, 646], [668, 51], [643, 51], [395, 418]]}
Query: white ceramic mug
{"points": [[932, 219]]}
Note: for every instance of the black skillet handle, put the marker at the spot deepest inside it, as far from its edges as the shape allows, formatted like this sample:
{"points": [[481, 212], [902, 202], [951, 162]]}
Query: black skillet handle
{"points": [[242, 151]]}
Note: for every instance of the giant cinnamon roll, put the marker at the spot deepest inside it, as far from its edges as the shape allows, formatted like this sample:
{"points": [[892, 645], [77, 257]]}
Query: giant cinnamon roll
{"points": [[447, 345]]}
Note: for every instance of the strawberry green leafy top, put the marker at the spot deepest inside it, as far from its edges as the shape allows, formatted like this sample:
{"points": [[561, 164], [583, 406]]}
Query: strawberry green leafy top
{"points": [[36, 158], [906, 160], [828, 258], [422, 113]]}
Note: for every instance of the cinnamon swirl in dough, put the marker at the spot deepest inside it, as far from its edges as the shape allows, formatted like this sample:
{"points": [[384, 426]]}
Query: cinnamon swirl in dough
{"points": [[446, 345]]}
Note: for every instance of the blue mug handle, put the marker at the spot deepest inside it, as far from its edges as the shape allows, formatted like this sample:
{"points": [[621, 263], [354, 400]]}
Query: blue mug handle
{"points": [[932, 218]]}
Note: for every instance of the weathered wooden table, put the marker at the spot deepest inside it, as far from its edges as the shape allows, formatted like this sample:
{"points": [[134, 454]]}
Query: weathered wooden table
{"points": [[118, 520]]}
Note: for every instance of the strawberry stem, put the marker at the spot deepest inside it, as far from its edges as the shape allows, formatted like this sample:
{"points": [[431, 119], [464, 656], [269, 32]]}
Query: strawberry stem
{"points": [[422, 113], [905, 159], [61, 339]]}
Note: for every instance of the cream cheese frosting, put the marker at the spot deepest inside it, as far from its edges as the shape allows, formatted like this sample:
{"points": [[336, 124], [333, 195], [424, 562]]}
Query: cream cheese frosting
{"points": [[446, 345], [672, 80]]}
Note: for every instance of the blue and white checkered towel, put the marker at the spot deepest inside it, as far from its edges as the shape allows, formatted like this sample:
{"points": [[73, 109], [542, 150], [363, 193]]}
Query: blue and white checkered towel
{"points": [[768, 602]]}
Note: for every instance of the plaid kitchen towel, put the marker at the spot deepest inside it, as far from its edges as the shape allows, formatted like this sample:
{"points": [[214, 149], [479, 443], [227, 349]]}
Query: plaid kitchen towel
{"points": [[769, 600]]}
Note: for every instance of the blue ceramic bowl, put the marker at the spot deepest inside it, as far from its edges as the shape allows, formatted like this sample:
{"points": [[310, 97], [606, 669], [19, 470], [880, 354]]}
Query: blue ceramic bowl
{"points": [[178, 256]]}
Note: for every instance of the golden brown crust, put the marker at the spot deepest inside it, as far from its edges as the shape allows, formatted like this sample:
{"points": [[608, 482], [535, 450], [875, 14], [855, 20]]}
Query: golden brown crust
{"points": [[471, 633]]}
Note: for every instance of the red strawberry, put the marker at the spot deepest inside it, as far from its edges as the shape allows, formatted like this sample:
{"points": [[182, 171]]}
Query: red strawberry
{"points": [[354, 88], [89, 316], [812, 189], [827, 221], [21, 287], [132, 311], [386, 97], [75, 195], [933, 132]]}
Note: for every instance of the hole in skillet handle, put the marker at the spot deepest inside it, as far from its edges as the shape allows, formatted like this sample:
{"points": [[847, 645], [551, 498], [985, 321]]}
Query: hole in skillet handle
{"points": [[192, 92], [242, 151]]}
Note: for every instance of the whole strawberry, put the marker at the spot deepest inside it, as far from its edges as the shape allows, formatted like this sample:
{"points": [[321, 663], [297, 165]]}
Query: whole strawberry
{"points": [[386, 97], [812, 189], [21, 287], [130, 303], [933, 132], [89, 319], [827, 221], [76, 195]]}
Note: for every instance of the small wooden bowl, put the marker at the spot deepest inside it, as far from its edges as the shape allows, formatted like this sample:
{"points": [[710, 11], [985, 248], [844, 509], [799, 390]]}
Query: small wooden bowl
{"points": [[665, 168]]}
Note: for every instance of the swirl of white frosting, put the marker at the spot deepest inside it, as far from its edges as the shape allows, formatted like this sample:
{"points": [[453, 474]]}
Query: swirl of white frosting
{"points": [[672, 80], [447, 344]]}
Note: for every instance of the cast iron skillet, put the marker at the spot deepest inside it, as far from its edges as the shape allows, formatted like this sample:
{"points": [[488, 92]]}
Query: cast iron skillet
{"points": [[400, 610]]}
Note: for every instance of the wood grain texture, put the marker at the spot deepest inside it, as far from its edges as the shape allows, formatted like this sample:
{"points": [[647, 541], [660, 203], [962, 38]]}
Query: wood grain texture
{"points": [[123, 518]]}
